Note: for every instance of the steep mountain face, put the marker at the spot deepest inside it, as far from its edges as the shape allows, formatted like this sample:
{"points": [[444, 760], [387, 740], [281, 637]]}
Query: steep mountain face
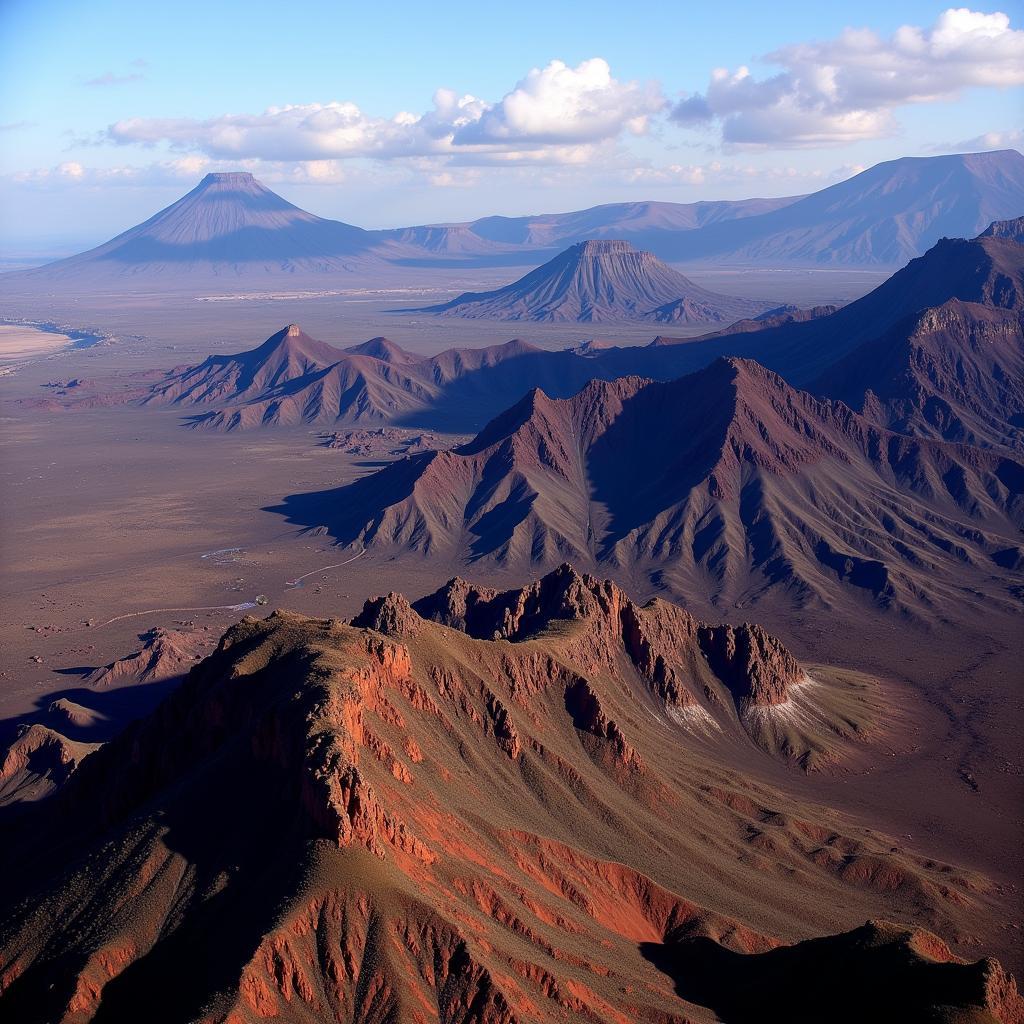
{"points": [[228, 226], [1012, 229], [602, 280], [887, 214], [985, 271], [954, 368], [292, 378], [394, 821], [728, 483], [954, 372]]}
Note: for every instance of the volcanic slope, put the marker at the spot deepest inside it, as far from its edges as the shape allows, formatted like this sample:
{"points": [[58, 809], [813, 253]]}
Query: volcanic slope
{"points": [[396, 822], [598, 281], [229, 226], [728, 483]]}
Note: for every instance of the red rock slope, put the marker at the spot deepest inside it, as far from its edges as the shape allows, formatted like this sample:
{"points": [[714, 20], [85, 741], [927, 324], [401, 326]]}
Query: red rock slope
{"points": [[408, 824]]}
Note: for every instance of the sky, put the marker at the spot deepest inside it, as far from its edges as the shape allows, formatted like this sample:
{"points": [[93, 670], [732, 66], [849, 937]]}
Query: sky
{"points": [[402, 113]]}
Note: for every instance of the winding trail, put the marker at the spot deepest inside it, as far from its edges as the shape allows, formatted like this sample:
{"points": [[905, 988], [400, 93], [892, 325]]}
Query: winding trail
{"points": [[244, 606], [337, 565]]}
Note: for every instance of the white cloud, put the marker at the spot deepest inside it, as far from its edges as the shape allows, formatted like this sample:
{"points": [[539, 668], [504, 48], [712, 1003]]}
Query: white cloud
{"points": [[844, 90], [980, 143], [556, 108], [165, 172], [559, 104]]}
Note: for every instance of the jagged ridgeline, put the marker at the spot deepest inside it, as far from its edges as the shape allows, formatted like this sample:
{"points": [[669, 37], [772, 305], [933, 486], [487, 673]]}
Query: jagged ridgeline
{"points": [[482, 807]]}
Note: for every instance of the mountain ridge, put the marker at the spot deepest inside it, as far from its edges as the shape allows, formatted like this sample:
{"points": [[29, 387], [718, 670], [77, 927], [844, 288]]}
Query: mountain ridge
{"points": [[728, 482], [301, 817]]}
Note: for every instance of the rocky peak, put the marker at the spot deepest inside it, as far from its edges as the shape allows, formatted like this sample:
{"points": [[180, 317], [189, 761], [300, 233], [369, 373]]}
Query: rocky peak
{"points": [[752, 663], [563, 594], [391, 615], [1012, 229]]}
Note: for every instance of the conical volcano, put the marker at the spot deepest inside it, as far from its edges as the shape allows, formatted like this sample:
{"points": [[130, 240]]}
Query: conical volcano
{"points": [[603, 280], [229, 225]]}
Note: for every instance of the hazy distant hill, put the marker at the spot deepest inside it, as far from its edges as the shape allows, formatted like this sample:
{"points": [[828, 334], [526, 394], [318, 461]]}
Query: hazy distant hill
{"points": [[887, 214], [633, 221], [233, 228]]}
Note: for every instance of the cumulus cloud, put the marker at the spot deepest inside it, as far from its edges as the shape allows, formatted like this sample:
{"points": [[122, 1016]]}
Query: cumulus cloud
{"points": [[559, 104], [551, 108], [980, 143], [844, 90]]}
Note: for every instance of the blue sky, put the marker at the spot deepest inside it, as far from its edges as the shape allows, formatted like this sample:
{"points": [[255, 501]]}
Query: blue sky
{"points": [[111, 109]]}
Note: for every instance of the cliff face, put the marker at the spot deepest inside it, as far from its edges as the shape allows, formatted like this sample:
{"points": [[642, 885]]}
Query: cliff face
{"points": [[396, 821]]}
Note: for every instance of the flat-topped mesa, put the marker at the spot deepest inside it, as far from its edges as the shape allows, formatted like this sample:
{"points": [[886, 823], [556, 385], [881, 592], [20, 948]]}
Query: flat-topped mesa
{"points": [[230, 178], [605, 247]]}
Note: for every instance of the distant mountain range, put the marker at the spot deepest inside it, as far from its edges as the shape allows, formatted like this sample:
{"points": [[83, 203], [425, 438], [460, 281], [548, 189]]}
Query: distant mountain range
{"points": [[936, 351], [233, 227], [885, 215], [602, 280], [634, 221]]}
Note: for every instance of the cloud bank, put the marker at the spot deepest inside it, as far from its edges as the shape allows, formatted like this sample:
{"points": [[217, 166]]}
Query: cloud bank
{"points": [[551, 108], [844, 90]]}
